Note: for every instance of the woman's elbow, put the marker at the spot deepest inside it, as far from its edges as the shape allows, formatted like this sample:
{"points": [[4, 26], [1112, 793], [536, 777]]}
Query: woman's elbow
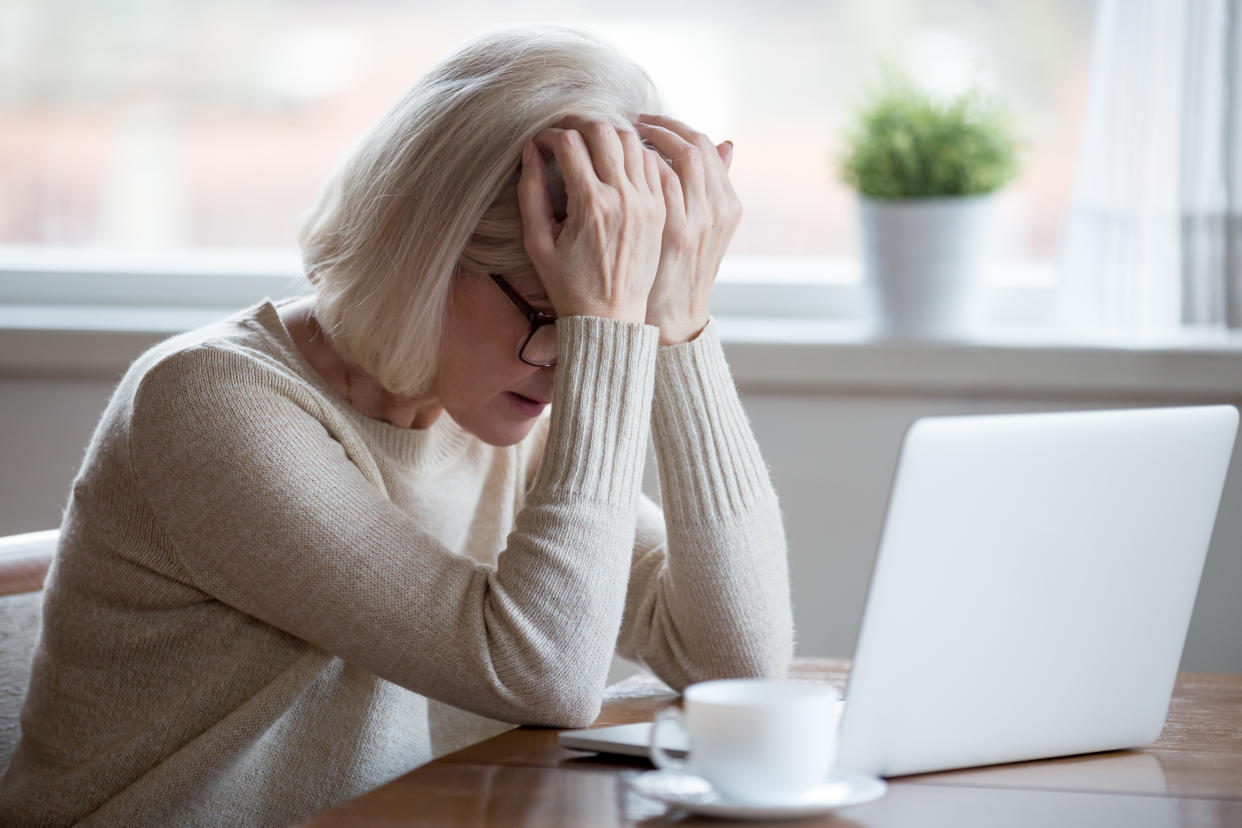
{"points": [[762, 665], [563, 707], [772, 655], [770, 662], [577, 715], [773, 665]]}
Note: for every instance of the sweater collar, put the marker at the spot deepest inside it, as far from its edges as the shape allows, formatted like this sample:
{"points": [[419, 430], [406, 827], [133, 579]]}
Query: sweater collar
{"points": [[418, 449]]}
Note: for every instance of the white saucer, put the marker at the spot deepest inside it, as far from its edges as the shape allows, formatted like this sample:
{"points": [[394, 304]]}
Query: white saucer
{"points": [[696, 794]]}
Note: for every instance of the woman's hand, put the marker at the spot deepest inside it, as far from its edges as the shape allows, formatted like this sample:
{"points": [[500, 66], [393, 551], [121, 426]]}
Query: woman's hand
{"points": [[702, 213], [602, 259]]}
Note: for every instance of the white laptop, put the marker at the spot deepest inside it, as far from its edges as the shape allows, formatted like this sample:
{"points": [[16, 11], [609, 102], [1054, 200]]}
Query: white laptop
{"points": [[1032, 592]]}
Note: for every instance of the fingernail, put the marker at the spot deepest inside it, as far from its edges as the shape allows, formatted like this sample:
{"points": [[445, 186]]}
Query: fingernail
{"points": [[730, 143], [526, 148]]}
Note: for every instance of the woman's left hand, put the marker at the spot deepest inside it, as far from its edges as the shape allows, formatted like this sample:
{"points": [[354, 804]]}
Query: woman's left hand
{"points": [[702, 212]]}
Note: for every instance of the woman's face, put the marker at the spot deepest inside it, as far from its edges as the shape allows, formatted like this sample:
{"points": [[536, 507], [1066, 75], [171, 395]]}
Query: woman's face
{"points": [[480, 381]]}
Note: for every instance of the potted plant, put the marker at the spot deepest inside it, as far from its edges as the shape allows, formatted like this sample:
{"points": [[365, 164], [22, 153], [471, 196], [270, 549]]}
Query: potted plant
{"points": [[925, 169]]}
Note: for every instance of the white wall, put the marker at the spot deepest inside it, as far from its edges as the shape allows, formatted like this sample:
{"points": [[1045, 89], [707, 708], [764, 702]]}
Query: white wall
{"points": [[46, 425], [832, 460], [830, 436]]}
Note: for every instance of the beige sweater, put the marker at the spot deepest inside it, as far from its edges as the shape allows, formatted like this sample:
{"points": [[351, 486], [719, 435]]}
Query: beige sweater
{"points": [[265, 603]]}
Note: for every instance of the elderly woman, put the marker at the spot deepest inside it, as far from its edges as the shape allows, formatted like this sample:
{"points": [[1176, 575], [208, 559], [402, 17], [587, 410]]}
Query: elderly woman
{"points": [[330, 538]]}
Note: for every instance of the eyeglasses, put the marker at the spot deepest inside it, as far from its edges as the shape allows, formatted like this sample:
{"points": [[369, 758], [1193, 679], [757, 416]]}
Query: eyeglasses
{"points": [[538, 347]]}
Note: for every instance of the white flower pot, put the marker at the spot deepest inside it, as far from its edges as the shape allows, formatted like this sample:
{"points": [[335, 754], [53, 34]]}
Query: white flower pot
{"points": [[923, 264]]}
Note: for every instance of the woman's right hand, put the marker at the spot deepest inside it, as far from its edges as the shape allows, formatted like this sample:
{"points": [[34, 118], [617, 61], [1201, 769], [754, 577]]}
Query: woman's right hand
{"points": [[602, 259]]}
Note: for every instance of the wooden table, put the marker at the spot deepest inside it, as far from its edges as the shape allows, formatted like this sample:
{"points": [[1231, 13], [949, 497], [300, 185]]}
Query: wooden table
{"points": [[1192, 776]]}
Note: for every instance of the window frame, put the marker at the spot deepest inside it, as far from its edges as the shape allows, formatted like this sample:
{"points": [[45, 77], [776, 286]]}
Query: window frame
{"points": [[1017, 293]]}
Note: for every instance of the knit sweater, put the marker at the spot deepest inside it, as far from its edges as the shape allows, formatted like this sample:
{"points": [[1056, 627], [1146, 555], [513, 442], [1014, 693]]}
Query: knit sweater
{"points": [[265, 603]]}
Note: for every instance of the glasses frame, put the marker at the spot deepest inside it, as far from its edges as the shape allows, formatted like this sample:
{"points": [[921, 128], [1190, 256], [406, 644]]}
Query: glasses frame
{"points": [[536, 318]]}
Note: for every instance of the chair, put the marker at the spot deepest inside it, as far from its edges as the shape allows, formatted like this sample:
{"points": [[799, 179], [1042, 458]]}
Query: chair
{"points": [[24, 561]]}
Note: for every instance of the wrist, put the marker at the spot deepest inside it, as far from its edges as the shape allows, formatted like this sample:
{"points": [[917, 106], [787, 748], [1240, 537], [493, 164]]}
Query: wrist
{"points": [[627, 305], [615, 316], [620, 314], [681, 333]]}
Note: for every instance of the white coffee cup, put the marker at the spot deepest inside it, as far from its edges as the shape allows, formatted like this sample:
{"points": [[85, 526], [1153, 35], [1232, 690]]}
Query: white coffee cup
{"points": [[757, 741]]}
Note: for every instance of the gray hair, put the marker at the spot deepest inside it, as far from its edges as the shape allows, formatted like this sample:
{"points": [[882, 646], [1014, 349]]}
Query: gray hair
{"points": [[432, 188]]}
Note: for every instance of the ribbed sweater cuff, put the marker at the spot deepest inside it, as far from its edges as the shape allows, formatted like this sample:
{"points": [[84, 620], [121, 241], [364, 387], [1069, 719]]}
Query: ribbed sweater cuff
{"points": [[601, 410], [710, 465]]}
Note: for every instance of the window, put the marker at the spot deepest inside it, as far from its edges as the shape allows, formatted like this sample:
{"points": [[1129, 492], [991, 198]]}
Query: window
{"points": [[154, 130]]}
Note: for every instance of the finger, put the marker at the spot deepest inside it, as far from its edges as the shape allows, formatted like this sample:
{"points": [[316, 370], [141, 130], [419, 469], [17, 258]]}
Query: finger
{"points": [[570, 150], [691, 136], [726, 153], [604, 145], [675, 203], [651, 168], [688, 133], [635, 161], [682, 155], [538, 223]]}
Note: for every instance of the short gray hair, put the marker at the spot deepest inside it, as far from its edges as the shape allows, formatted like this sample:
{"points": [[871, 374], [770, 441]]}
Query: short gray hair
{"points": [[432, 187]]}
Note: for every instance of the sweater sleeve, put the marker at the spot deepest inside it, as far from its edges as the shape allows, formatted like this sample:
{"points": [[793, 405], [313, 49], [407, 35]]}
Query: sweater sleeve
{"points": [[709, 587], [267, 513]]}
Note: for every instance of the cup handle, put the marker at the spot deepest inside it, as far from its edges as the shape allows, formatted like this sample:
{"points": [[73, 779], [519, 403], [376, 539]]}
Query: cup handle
{"points": [[659, 757]]}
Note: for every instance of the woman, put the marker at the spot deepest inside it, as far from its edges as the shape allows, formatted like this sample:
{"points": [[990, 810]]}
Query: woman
{"points": [[328, 539]]}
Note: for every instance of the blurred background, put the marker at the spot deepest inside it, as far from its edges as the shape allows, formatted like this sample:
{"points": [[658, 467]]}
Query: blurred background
{"points": [[155, 157], [168, 125]]}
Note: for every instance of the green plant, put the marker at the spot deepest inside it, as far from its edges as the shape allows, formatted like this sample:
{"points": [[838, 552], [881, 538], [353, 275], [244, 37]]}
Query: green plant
{"points": [[906, 143]]}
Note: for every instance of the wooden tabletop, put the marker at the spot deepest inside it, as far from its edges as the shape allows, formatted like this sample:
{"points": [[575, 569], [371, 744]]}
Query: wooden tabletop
{"points": [[1192, 776]]}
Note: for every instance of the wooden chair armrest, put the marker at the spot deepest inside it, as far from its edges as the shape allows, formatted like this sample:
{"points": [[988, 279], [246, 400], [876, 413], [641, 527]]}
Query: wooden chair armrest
{"points": [[24, 561]]}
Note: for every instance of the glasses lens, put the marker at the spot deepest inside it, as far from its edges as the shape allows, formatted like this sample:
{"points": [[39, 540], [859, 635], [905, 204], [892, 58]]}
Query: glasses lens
{"points": [[541, 347]]}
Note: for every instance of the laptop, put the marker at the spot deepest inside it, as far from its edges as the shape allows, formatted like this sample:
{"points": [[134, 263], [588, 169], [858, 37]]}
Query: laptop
{"points": [[1032, 592]]}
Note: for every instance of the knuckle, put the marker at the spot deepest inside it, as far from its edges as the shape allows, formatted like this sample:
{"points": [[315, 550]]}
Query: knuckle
{"points": [[603, 201], [536, 249], [531, 236], [678, 234], [601, 219]]}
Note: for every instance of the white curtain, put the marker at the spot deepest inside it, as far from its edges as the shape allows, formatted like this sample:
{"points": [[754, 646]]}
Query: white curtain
{"points": [[1153, 239]]}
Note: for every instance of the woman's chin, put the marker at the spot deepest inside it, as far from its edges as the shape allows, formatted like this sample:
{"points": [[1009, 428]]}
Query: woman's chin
{"points": [[501, 432]]}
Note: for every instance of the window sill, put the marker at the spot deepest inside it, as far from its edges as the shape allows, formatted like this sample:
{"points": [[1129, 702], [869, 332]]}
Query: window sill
{"points": [[766, 355], [838, 357]]}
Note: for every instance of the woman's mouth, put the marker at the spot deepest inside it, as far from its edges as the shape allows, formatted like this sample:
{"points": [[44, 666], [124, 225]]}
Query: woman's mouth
{"points": [[526, 405]]}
